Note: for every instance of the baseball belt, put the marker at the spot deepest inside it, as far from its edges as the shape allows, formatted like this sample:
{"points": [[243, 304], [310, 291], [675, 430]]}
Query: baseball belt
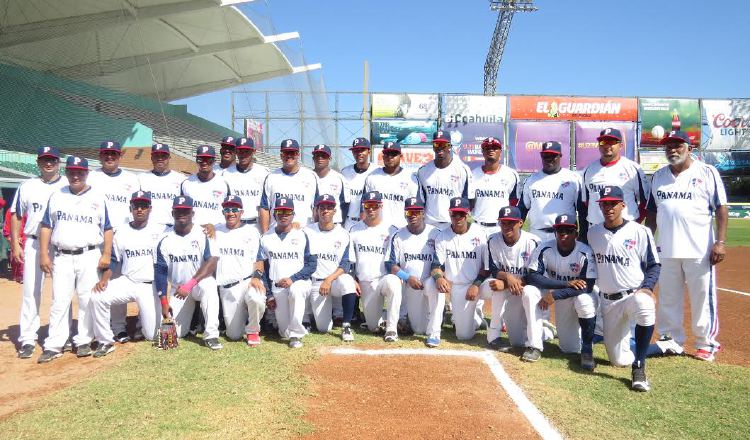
{"points": [[76, 251], [249, 221], [487, 224], [31, 236], [618, 295], [227, 286], [354, 219]]}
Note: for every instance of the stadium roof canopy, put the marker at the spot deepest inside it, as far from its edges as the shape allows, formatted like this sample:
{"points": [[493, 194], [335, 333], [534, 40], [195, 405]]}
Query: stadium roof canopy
{"points": [[161, 49]]}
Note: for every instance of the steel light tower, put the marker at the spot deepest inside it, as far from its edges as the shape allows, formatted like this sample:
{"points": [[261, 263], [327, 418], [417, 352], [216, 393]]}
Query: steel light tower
{"points": [[506, 8]]}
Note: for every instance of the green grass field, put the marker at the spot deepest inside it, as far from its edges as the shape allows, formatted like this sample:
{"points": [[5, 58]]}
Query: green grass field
{"points": [[738, 232]]}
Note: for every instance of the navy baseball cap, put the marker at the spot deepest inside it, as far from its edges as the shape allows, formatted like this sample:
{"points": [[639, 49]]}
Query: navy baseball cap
{"points": [[360, 144], [289, 145], [48, 151], [325, 199], [459, 204], [413, 204], [611, 193], [610, 134], [205, 151], [320, 148], [565, 220], [76, 163], [372, 197], [182, 202], [553, 147], [675, 136], [509, 214], [141, 196], [227, 141], [232, 200], [284, 203], [244, 143], [391, 146], [441, 137], [159, 148], [492, 142], [110, 146]]}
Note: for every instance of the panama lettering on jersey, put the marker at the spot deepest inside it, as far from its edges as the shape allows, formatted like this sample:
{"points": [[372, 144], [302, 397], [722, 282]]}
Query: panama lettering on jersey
{"points": [[624, 173], [414, 253], [334, 184], [207, 197], [331, 247], [355, 183], [183, 255], [285, 252], [31, 200], [394, 190], [548, 261], [117, 189], [248, 185], [545, 196], [369, 246], [76, 220], [511, 259], [164, 187], [301, 187], [438, 185], [135, 250], [462, 255]]}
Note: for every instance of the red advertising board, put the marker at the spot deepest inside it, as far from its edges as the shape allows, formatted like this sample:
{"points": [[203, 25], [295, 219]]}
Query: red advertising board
{"points": [[573, 108]]}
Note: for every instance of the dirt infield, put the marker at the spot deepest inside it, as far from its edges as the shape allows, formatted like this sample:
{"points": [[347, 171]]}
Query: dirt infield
{"points": [[410, 397]]}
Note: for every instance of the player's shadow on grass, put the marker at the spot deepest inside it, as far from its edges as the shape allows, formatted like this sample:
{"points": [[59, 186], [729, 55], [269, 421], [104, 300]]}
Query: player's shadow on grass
{"points": [[552, 351]]}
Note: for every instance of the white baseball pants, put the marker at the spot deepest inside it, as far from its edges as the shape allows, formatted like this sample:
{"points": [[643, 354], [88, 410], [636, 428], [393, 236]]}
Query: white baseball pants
{"points": [[119, 311], [33, 282], [521, 314], [290, 308], [182, 309], [120, 291], [617, 317], [244, 306], [425, 308], [386, 289], [465, 315], [323, 305], [567, 312]]}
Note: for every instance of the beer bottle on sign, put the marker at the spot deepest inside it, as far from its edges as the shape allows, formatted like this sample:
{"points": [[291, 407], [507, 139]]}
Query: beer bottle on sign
{"points": [[676, 122]]}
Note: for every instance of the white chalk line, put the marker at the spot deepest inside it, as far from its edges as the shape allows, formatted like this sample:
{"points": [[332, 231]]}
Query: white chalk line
{"points": [[734, 291], [533, 415]]}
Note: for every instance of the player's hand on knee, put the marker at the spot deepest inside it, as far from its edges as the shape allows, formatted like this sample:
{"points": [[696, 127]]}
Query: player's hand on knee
{"points": [[284, 283], [258, 285], [515, 284], [577, 284], [45, 263], [546, 301], [325, 287], [645, 292], [415, 283], [443, 285], [101, 286], [472, 293], [718, 253]]}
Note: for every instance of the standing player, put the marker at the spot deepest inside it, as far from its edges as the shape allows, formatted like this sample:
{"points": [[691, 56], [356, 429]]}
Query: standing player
{"points": [[30, 201], [513, 301], [239, 274], [163, 184], [355, 176], [394, 184], [564, 268], [460, 266], [685, 195], [369, 243], [293, 182], [628, 269], [227, 150], [411, 255], [442, 179], [77, 225], [206, 188], [290, 266], [133, 249], [495, 186], [245, 179], [329, 242], [186, 259], [330, 181]]}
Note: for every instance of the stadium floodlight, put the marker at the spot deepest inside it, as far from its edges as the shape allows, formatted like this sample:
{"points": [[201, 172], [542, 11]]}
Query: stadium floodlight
{"points": [[506, 8]]}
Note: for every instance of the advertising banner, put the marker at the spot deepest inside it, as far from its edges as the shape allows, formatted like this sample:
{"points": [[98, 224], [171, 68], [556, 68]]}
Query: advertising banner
{"points": [[254, 131], [587, 147], [726, 124], [573, 108], [470, 119], [411, 157], [652, 160], [729, 162], [659, 116], [404, 106], [526, 139], [406, 132]]}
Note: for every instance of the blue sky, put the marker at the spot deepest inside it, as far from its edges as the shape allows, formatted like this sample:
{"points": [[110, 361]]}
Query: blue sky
{"points": [[687, 48]]}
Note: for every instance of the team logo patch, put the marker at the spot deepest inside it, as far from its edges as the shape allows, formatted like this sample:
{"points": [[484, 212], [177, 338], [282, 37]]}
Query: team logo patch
{"points": [[218, 195], [623, 176], [696, 181], [337, 245], [194, 244], [525, 255], [294, 242], [629, 243], [454, 178], [404, 186], [565, 185], [575, 267], [476, 241]]}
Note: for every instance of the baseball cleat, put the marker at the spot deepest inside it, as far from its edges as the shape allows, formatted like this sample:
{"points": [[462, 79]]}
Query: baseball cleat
{"points": [[83, 350], [432, 341], [704, 355], [669, 346], [26, 351], [640, 382], [253, 339], [68, 346], [103, 350], [122, 337], [550, 328], [48, 356], [213, 344], [390, 336], [531, 355], [404, 327], [500, 345], [347, 335], [587, 361], [295, 343]]}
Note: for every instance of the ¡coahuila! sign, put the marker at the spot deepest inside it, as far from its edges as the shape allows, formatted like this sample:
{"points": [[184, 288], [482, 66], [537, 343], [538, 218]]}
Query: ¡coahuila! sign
{"points": [[573, 108], [470, 119], [726, 124]]}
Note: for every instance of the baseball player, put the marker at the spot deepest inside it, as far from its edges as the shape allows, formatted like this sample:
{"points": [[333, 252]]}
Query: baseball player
{"points": [[133, 250], [186, 259], [565, 271], [444, 178], [163, 184], [685, 195], [627, 268], [290, 267], [460, 266], [245, 179], [410, 258], [329, 242], [239, 274], [369, 243], [228, 152], [330, 181], [76, 224], [513, 301], [206, 188], [30, 201], [355, 176], [495, 186], [394, 184], [293, 182]]}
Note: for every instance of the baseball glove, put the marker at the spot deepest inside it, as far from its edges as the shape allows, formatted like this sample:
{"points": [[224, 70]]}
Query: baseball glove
{"points": [[166, 337]]}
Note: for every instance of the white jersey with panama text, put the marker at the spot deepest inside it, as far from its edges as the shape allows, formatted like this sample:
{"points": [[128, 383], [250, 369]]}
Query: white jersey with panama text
{"points": [[164, 187], [31, 201], [684, 207], [207, 198], [356, 183], [624, 173], [438, 185], [134, 250], [248, 186], [414, 253], [546, 196], [331, 247], [285, 252], [462, 255], [511, 259], [183, 255], [117, 188], [578, 264], [77, 221], [394, 189], [238, 251], [369, 246], [621, 255], [493, 191], [300, 187], [335, 185]]}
